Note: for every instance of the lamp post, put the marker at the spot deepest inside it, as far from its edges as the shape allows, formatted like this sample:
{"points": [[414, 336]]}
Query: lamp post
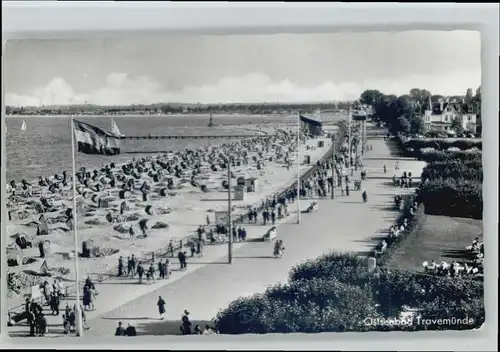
{"points": [[229, 217], [298, 169], [349, 152], [333, 166]]}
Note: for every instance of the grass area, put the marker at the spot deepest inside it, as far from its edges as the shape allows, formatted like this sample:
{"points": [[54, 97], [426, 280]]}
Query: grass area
{"points": [[435, 238]]}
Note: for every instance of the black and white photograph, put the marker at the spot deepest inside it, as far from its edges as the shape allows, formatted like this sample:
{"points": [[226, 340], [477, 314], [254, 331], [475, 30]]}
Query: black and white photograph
{"points": [[243, 184]]}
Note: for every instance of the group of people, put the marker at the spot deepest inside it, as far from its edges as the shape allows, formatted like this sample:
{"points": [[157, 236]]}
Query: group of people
{"points": [[279, 248], [128, 331], [69, 319], [37, 321], [36, 318], [151, 272], [53, 293], [455, 268], [89, 295], [93, 186], [185, 326], [396, 231], [404, 181]]}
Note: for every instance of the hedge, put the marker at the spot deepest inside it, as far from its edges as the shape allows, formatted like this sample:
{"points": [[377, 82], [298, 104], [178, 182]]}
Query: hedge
{"points": [[345, 268], [454, 169], [436, 155], [459, 198], [443, 144], [403, 288], [320, 298], [454, 315], [312, 306]]}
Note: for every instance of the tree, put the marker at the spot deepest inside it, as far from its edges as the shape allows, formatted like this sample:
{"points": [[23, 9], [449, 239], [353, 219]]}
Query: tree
{"points": [[436, 97], [416, 94], [404, 124], [468, 96], [457, 125], [371, 97], [420, 95], [476, 100], [417, 125], [390, 98], [425, 95], [404, 103]]}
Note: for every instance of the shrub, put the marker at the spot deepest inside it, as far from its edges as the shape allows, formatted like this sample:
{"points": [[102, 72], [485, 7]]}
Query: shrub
{"points": [[443, 144], [312, 306], [321, 298], [394, 289], [427, 155], [454, 315], [345, 268], [244, 315], [460, 198], [455, 169], [345, 305]]}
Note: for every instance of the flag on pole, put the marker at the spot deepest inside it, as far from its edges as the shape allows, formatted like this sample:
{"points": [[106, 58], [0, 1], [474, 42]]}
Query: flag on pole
{"points": [[311, 127], [93, 140]]}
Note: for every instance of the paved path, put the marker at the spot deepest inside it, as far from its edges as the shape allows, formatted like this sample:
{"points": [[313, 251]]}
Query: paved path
{"points": [[342, 224]]}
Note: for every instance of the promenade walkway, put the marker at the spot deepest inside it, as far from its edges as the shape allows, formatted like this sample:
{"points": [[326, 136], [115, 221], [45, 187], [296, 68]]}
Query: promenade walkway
{"points": [[342, 224], [209, 284]]}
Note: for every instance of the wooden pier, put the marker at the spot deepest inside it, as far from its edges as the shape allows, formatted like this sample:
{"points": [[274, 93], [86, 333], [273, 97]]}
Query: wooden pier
{"points": [[195, 136]]}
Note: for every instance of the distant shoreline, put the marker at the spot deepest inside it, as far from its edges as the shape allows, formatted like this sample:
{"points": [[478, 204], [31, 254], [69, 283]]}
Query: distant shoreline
{"points": [[204, 115]]}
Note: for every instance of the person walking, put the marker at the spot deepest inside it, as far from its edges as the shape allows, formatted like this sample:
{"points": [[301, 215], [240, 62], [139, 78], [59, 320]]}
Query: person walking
{"points": [[93, 297], [161, 307], [87, 298], [192, 248], [54, 303], [161, 270], [181, 258], [133, 264], [120, 267], [151, 273], [199, 249], [129, 266], [140, 272], [166, 268]]}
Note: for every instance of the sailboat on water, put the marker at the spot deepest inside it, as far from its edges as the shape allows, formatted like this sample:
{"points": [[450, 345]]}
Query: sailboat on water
{"points": [[115, 129], [23, 126]]}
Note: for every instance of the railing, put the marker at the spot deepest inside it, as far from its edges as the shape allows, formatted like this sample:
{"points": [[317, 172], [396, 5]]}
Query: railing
{"points": [[180, 243], [192, 136]]}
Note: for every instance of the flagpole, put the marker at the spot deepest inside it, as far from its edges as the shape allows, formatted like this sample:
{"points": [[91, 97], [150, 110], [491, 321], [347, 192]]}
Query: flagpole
{"points": [[78, 313], [298, 168]]}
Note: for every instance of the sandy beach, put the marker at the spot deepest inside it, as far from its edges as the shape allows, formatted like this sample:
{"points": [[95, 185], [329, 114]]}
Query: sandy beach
{"points": [[174, 208]]}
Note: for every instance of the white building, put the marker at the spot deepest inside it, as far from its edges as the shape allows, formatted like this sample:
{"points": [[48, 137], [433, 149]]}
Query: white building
{"points": [[439, 116]]}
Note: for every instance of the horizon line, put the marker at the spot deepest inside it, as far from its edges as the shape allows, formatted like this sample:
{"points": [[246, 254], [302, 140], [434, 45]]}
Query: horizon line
{"points": [[176, 103]]}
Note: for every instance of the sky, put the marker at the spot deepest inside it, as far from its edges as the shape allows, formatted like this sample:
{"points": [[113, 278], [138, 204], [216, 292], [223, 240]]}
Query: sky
{"points": [[239, 68]]}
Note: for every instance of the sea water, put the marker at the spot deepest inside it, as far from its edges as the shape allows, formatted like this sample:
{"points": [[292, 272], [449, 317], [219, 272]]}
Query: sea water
{"points": [[45, 147]]}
